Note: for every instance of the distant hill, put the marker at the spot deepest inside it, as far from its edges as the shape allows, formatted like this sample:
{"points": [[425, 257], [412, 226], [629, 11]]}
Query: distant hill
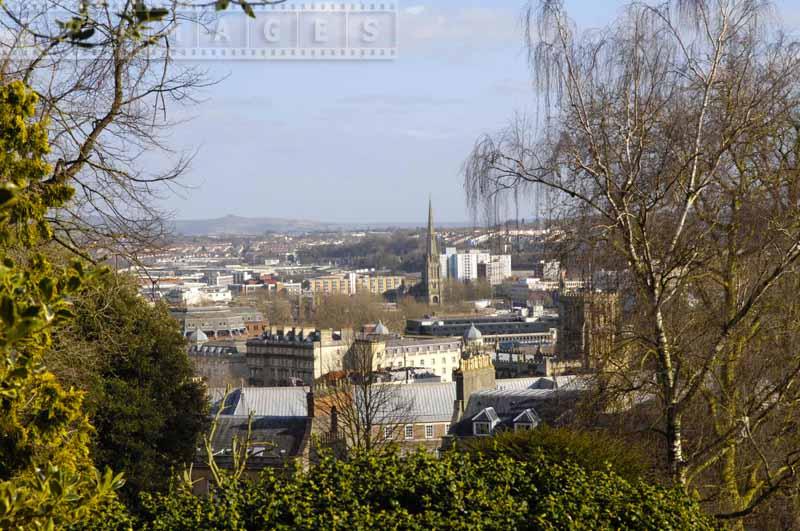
{"points": [[244, 226], [237, 225]]}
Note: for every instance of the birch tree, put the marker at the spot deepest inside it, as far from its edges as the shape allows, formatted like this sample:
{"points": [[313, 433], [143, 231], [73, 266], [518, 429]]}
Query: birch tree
{"points": [[672, 135]]}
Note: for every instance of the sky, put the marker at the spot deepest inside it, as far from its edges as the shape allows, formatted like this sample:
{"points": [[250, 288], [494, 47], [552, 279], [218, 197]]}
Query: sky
{"points": [[364, 141]]}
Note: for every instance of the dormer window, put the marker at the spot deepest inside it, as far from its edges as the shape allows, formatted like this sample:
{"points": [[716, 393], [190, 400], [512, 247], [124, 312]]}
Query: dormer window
{"points": [[484, 422], [481, 428], [527, 420]]}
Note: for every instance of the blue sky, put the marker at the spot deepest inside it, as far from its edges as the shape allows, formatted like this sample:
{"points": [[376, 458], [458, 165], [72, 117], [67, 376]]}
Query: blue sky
{"points": [[364, 141]]}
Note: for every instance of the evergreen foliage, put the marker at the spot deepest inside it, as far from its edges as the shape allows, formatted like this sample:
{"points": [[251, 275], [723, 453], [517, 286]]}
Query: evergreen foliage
{"points": [[147, 411], [592, 450], [458, 491], [47, 479]]}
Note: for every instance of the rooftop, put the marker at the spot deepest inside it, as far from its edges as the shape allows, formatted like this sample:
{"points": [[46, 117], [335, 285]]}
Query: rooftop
{"points": [[262, 401]]}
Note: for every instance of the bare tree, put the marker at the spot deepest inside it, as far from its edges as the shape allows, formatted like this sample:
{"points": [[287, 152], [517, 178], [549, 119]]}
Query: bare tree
{"points": [[107, 85], [672, 137], [370, 413]]}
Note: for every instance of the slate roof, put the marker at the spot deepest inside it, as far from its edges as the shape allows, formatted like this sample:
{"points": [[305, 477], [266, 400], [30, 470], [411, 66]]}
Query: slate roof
{"points": [[486, 414], [527, 416], [548, 405], [273, 439], [506, 403]]}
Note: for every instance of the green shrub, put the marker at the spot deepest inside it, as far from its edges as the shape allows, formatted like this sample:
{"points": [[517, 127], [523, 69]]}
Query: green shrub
{"points": [[592, 450], [461, 490]]}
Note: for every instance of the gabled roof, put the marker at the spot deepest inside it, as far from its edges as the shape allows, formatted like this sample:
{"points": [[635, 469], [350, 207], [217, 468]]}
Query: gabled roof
{"points": [[528, 416], [486, 415], [548, 405]]}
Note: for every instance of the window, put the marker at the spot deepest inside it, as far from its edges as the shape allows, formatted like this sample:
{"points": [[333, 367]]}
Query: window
{"points": [[429, 431], [481, 428], [447, 428], [387, 432], [409, 432]]}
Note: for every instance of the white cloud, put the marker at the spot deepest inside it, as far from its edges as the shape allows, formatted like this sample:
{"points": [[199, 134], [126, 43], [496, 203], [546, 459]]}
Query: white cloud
{"points": [[470, 27]]}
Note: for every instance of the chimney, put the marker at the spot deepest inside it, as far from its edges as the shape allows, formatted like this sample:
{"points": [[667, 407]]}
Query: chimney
{"points": [[310, 403], [458, 377], [474, 374], [334, 421]]}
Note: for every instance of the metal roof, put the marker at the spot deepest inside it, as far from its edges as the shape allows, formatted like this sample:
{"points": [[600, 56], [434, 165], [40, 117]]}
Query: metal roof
{"points": [[537, 382], [427, 402], [263, 401], [573, 382]]}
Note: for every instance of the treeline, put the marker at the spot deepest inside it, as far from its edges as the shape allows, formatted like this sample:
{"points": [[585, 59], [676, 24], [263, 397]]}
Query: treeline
{"points": [[400, 251]]}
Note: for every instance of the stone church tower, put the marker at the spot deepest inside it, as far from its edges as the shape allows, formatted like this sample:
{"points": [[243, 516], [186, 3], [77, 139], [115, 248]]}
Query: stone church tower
{"points": [[432, 274]]}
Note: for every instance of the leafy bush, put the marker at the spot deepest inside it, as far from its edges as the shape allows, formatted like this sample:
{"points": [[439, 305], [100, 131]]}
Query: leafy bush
{"points": [[461, 490], [592, 450], [47, 479]]}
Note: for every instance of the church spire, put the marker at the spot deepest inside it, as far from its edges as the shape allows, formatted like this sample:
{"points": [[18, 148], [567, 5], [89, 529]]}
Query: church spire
{"points": [[433, 248], [431, 275]]}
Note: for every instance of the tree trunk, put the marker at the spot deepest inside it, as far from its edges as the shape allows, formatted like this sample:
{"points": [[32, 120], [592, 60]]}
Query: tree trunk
{"points": [[675, 461], [677, 466]]}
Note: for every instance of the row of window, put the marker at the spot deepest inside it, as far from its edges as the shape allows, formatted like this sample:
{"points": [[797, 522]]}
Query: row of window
{"points": [[421, 363], [408, 431], [425, 348], [485, 428]]}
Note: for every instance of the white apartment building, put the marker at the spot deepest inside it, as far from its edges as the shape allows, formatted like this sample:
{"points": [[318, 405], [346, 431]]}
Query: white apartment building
{"points": [[219, 278], [498, 269], [440, 356], [475, 264], [196, 294], [291, 288]]}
